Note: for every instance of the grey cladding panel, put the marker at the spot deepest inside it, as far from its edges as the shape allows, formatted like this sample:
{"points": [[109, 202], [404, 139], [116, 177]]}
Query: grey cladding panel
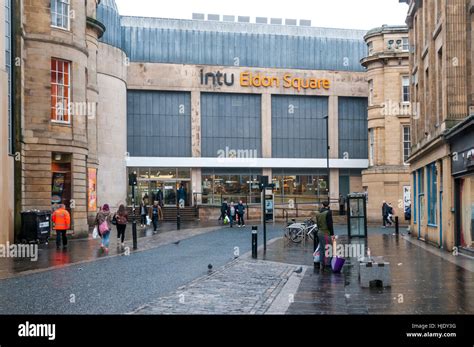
{"points": [[353, 128], [159, 124], [298, 127], [160, 45], [230, 121]]}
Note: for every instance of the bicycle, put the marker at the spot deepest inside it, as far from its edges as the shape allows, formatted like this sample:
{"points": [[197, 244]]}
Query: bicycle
{"points": [[296, 232]]}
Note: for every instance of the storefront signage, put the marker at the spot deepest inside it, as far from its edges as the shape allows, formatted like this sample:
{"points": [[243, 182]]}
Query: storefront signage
{"points": [[258, 80]]}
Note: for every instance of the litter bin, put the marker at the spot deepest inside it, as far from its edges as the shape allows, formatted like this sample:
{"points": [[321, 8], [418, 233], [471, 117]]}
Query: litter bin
{"points": [[35, 226]]}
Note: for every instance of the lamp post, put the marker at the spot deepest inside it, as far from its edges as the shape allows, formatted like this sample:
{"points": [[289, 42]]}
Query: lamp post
{"points": [[327, 157]]}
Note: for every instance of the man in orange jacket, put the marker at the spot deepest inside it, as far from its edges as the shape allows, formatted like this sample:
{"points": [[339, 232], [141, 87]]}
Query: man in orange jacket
{"points": [[61, 223]]}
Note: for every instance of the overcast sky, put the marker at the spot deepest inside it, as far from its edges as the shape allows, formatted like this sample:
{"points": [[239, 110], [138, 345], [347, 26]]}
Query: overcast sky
{"points": [[352, 14]]}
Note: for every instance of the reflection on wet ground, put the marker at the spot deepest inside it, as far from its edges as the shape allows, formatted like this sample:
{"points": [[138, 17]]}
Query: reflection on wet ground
{"points": [[422, 282]]}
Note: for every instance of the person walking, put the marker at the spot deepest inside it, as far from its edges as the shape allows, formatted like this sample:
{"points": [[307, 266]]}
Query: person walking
{"points": [[143, 213], [241, 213], [224, 208], [342, 204], [231, 213], [384, 213], [181, 196], [121, 216], [155, 214], [103, 221], [325, 234], [390, 213], [61, 224]]}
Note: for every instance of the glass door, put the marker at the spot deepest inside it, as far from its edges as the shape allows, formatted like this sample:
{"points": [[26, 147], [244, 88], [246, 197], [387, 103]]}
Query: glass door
{"points": [[169, 193]]}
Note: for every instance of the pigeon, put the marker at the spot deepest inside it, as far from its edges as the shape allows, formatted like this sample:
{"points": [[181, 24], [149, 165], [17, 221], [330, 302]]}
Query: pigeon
{"points": [[300, 270], [209, 267]]}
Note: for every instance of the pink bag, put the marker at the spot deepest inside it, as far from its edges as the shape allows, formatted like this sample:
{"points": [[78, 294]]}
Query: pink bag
{"points": [[103, 227]]}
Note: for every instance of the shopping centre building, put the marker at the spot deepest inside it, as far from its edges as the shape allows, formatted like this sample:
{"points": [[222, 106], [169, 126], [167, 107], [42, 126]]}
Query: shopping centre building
{"points": [[212, 104]]}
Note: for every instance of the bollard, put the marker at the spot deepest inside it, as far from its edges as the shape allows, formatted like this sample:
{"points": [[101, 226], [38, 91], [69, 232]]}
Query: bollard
{"points": [[134, 233], [396, 225], [178, 219], [254, 241]]}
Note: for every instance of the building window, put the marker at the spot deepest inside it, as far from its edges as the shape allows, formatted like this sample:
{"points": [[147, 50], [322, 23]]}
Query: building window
{"points": [[370, 47], [371, 92], [371, 147], [60, 90], [405, 44], [406, 143], [405, 89], [60, 14], [439, 86], [432, 194]]}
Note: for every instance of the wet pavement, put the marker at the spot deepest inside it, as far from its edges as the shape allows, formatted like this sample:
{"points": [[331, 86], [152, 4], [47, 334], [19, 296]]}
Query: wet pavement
{"points": [[169, 275], [121, 284], [85, 250], [422, 282]]}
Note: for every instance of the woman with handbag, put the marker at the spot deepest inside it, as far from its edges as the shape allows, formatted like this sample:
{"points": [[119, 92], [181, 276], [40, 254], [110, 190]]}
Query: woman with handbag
{"points": [[103, 220], [121, 217]]}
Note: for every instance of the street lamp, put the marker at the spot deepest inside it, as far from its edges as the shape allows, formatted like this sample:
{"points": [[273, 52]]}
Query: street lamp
{"points": [[327, 157]]}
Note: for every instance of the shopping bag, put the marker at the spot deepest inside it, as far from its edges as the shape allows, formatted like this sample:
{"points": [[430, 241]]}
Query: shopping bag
{"points": [[226, 219], [336, 262], [95, 233], [316, 255], [148, 220]]}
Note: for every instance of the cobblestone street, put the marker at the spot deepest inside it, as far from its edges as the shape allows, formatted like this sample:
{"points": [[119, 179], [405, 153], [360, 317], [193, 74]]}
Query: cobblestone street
{"points": [[241, 287]]}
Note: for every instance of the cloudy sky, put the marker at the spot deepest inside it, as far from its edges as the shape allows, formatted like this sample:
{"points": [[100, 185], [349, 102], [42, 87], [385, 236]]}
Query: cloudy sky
{"points": [[352, 14]]}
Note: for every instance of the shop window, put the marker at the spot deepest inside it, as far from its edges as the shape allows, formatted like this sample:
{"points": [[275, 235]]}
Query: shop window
{"points": [[60, 90], [432, 194]]}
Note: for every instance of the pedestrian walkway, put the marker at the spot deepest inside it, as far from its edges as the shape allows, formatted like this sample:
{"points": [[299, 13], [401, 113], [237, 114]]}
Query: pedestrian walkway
{"points": [[86, 250], [422, 282], [283, 281]]}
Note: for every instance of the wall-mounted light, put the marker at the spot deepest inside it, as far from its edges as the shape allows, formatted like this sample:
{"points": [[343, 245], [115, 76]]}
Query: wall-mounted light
{"points": [[58, 156]]}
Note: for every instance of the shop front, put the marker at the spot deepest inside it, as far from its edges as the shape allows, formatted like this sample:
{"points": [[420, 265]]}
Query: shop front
{"points": [[166, 185], [461, 138]]}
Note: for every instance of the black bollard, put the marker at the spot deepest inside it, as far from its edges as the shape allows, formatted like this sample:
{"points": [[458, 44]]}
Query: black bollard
{"points": [[254, 241], [134, 234], [396, 225], [178, 219]]}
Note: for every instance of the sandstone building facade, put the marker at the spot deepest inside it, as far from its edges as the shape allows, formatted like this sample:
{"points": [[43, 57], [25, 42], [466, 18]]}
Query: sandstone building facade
{"points": [[388, 176], [441, 162]]}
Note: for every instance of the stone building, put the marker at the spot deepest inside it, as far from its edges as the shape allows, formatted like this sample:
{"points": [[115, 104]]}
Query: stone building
{"points": [[441, 162], [56, 94], [389, 110], [6, 125]]}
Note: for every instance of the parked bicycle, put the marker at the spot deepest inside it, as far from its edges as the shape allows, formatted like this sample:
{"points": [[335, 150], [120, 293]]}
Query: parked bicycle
{"points": [[298, 232]]}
